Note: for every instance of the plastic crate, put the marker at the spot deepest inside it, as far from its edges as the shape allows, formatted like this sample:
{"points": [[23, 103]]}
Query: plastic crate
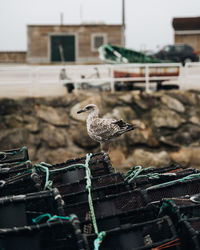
{"points": [[172, 168], [20, 183], [99, 165], [110, 205], [148, 181], [166, 169], [100, 192], [139, 215], [100, 181], [179, 208], [190, 233], [14, 155], [186, 187], [12, 169], [55, 235], [148, 235], [19, 210]]}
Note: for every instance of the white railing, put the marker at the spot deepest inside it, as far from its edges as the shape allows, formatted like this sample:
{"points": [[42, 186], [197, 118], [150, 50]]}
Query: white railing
{"points": [[190, 78], [44, 80]]}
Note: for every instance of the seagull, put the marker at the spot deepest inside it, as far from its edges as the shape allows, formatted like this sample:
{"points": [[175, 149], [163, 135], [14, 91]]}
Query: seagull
{"points": [[104, 130]]}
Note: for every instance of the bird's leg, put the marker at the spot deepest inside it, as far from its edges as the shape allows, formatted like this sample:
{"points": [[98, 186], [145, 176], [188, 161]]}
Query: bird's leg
{"points": [[105, 147]]}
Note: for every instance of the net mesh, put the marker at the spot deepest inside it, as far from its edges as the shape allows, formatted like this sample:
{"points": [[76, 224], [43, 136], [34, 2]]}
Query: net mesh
{"points": [[100, 181], [139, 236], [99, 164], [111, 205], [96, 193], [14, 155], [21, 183], [188, 187]]}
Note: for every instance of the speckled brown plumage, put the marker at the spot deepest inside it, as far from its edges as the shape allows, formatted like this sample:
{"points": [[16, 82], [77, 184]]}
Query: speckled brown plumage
{"points": [[102, 129]]}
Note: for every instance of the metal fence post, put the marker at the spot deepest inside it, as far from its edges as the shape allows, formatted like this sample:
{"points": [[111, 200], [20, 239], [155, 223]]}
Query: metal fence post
{"points": [[112, 81], [147, 78], [31, 76]]}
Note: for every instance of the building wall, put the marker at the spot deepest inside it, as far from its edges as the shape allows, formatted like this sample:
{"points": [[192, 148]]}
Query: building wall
{"points": [[39, 40], [12, 57], [191, 39]]}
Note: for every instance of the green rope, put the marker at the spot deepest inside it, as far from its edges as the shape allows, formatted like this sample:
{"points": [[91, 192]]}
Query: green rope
{"points": [[48, 184], [67, 167], [149, 175], [169, 183], [44, 168], [12, 153], [166, 204], [135, 172], [89, 186], [54, 217], [99, 239], [13, 163]]}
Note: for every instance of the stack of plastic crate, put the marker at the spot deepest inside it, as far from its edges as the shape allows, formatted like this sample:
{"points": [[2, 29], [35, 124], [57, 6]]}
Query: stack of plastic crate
{"points": [[84, 203]]}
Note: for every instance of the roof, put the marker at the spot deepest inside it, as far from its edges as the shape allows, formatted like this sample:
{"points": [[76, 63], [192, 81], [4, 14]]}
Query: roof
{"points": [[186, 23], [74, 25], [10, 52]]}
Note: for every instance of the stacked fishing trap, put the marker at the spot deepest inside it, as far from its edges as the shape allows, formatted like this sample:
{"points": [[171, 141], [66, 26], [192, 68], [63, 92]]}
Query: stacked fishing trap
{"points": [[85, 204]]}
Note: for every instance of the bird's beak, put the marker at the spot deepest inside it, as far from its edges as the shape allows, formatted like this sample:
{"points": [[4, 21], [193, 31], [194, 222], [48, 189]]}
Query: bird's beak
{"points": [[80, 111]]}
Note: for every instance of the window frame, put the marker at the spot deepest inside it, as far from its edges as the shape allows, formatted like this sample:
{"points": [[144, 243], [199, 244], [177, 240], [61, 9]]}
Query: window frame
{"points": [[104, 35]]}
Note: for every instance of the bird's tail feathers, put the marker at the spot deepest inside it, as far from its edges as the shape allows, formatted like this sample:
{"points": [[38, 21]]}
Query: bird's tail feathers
{"points": [[123, 124], [128, 128]]}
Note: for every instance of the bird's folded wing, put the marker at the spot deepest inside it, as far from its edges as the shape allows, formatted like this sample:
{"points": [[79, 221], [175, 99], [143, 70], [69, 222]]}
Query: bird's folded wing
{"points": [[103, 127]]}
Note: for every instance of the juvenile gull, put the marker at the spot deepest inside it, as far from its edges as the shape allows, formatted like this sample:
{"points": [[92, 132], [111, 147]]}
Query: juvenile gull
{"points": [[104, 130]]}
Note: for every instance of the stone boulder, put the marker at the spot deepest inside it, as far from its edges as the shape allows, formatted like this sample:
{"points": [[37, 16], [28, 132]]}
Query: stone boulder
{"points": [[173, 103], [80, 137], [141, 135], [163, 117], [51, 115], [146, 158], [125, 113], [187, 156], [117, 158], [57, 155], [186, 135], [54, 137]]}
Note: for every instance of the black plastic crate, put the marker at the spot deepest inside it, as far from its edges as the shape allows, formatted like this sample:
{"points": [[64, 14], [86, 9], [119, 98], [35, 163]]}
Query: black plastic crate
{"points": [[172, 168], [55, 235], [110, 205], [14, 155], [151, 170], [186, 187], [19, 210], [100, 192], [180, 208], [190, 234], [148, 180], [12, 169], [135, 216], [100, 181], [148, 235], [21, 183], [99, 165]]}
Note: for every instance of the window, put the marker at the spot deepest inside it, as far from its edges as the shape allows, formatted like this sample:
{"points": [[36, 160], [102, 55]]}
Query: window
{"points": [[179, 48], [98, 40], [168, 49]]}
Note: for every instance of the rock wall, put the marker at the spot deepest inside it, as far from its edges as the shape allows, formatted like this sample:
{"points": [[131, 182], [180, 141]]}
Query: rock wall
{"points": [[12, 56], [168, 127]]}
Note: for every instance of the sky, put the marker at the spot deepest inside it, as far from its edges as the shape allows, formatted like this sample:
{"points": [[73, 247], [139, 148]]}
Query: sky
{"points": [[148, 22]]}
